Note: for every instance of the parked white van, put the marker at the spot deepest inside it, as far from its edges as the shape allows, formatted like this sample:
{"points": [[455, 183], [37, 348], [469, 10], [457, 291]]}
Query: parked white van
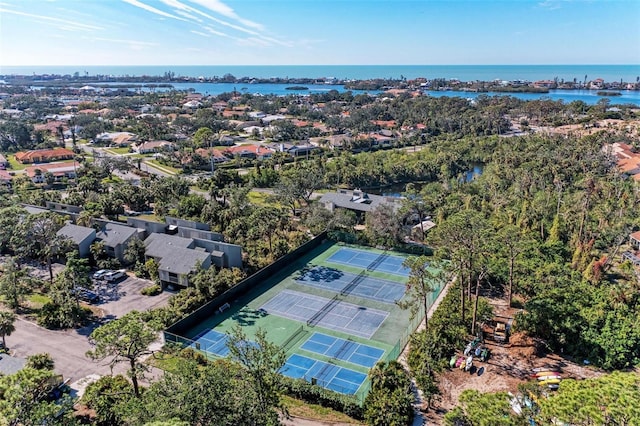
{"points": [[114, 275]]}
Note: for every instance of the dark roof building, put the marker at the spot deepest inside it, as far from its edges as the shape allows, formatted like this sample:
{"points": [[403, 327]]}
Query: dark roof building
{"points": [[357, 200]]}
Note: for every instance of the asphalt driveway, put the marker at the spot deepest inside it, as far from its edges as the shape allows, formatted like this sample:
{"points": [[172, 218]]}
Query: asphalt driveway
{"points": [[68, 347]]}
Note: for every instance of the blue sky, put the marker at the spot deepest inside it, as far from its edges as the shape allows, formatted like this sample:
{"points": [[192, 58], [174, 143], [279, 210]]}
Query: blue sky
{"points": [[318, 32]]}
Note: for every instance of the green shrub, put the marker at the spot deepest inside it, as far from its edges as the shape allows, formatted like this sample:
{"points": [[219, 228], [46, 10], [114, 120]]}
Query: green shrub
{"points": [[192, 354], [40, 362], [53, 316], [105, 395], [152, 290], [313, 394]]}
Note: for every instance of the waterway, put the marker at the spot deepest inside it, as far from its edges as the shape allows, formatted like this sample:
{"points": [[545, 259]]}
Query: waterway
{"points": [[398, 189], [590, 97], [627, 73]]}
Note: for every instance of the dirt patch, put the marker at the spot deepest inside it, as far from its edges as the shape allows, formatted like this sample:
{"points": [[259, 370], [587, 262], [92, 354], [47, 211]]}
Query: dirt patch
{"points": [[510, 364]]}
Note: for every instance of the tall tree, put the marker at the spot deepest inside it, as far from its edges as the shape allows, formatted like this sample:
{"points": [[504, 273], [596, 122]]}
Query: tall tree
{"points": [[23, 399], [262, 361], [425, 276], [127, 340], [7, 325], [14, 283], [38, 235]]}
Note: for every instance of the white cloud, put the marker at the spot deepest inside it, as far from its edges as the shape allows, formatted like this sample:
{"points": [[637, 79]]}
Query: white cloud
{"points": [[224, 10], [200, 34], [216, 32], [132, 43], [59, 23], [152, 9]]}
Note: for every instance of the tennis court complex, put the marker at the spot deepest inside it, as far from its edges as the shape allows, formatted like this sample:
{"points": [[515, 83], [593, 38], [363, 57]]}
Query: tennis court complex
{"points": [[328, 313], [347, 350], [327, 375], [332, 310], [356, 285], [382, 262]]}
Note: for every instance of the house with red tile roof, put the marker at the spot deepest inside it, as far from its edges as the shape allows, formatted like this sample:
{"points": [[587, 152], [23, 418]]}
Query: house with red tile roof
{"points": [[51, 126], [120, 139], [44, 155], [5, 177], [249, 151], [208, 153], [58, 170]]}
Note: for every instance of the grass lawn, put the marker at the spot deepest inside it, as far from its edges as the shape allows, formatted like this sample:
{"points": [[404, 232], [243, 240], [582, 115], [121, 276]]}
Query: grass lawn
{"points": [[37, 300], [261, 199], [14, 164], [118, 151], [150, 217], [163, 361], [162, 167]]}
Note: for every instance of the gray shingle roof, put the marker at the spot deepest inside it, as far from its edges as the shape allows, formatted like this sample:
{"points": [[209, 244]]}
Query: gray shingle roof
{"points": [[357, 200], [76, 233], [113, 234], [174, 253]]}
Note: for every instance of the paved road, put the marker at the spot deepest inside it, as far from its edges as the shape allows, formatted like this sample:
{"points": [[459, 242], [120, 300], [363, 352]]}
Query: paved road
{"points": [[68, 347]]}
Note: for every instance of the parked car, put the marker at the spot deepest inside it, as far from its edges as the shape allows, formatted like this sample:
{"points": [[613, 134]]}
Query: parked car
{"points": [[114, 275], [87, 295], [100, 273]]}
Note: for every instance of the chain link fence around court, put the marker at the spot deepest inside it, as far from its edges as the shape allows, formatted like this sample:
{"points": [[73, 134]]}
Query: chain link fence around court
{"points": [[297, 335]]}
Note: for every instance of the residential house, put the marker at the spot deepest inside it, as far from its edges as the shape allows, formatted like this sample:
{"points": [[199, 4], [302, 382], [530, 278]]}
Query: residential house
{"points": [[65, 209], [119, 139], [597, 84], [223, 255], [544, 84], [44, 155], [81, 236], [249, 151], [154, 146], [177, 257], [357, 201], [212, 154], [116, 237], [333, 142], [4, 163], [58, 170], [634, 240], [5, 178]]}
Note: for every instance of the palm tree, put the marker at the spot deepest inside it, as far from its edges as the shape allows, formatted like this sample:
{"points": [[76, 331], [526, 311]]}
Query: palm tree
{"points": [[7, 326]]}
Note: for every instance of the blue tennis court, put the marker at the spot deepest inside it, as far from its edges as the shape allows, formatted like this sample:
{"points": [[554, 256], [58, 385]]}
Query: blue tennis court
{"points": [[327, 375], [355, 285], [347, 350], [333, 314], [371, 261], [211, 341]]}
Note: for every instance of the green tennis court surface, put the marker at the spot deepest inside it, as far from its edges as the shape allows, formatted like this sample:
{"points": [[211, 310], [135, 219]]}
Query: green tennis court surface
{"points": [[357, 285], [383, 262], [332, 311], [347, 350]]}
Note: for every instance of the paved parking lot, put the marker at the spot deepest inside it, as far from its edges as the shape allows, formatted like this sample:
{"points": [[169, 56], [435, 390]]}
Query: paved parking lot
{"points": [[68, 347], [123, 296]]}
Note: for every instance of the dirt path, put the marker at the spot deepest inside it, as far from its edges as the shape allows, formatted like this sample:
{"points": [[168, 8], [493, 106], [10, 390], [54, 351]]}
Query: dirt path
{"points": [[419, 419]]}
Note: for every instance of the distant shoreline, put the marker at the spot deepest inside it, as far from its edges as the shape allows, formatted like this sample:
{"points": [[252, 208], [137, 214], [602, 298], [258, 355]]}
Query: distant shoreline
{"points": [[610, 73], [169, 81]]}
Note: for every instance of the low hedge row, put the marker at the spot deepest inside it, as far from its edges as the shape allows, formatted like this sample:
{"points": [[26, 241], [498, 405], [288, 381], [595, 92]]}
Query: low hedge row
{"points": [[313, 394]]}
